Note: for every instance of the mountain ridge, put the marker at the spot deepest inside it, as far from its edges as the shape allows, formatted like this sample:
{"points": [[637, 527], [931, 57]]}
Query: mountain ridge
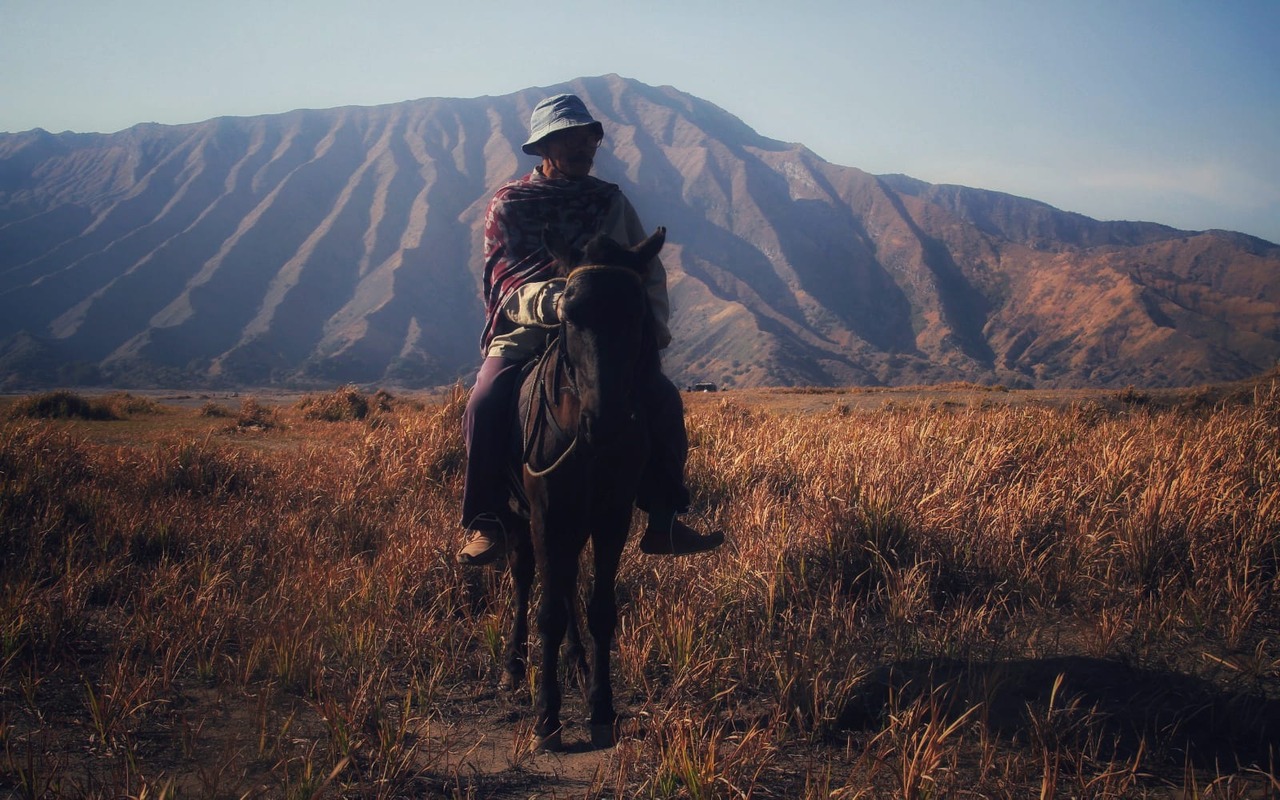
{"points": [[342, 245]]}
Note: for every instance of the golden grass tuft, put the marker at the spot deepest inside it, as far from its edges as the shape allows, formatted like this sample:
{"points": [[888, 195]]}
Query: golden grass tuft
{"points": [[1003, 599], [61, 404], [65, 404], [344, 404]]}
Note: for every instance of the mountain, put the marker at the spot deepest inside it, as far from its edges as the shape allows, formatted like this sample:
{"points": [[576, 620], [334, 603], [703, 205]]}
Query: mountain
{"points": [[342, 245]]}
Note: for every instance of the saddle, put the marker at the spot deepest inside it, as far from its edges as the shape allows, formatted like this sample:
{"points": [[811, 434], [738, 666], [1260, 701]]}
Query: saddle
{"points": [[542, 381]]}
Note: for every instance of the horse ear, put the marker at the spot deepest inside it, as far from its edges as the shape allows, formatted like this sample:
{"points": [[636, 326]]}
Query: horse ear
{"points": [[559, 249], [648, 249]]}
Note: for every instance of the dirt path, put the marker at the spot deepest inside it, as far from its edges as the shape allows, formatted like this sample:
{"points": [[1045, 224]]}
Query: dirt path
{"points": [[488, 750]]}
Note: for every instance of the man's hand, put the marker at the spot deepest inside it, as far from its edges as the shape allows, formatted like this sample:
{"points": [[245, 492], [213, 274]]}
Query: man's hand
{"points": [[557, 305]]}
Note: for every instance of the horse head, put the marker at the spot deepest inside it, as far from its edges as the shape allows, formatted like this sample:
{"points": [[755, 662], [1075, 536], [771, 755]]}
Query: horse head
{"points": [[606, 332]]}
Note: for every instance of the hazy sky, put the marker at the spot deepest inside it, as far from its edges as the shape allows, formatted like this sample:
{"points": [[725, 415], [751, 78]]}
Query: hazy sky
{"points": [[1157, 110]]}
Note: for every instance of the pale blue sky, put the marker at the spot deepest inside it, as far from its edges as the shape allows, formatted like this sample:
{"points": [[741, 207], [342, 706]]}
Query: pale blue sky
{"points": [[1120, 109]]}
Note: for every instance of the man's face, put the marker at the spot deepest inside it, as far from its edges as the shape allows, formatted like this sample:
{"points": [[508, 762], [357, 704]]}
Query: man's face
{"points": [[571, 152]]}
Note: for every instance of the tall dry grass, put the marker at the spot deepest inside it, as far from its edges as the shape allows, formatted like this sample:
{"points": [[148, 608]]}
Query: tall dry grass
{"points": [[1000, 600]]}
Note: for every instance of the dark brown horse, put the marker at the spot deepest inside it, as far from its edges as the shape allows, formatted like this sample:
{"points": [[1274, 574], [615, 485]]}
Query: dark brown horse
{"points": [[585, 445]]}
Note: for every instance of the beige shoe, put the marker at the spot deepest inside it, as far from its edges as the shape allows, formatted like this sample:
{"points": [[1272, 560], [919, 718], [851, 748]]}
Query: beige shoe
{"points": [[484, 548], [680, 540]]}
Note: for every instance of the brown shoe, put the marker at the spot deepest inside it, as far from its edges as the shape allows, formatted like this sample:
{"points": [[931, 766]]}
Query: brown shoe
{"points": [[484, 548], [679, 540]]}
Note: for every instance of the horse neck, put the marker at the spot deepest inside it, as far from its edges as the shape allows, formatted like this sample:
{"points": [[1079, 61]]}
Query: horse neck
{"points": [[606, 273], [608, 385]]}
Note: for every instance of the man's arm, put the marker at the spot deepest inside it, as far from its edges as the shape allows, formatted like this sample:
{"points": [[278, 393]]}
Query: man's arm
{"points": [[534, 304]]}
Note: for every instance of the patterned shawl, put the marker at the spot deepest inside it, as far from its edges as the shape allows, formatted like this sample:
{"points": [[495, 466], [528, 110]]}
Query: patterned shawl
{"points": [[518, 213]]}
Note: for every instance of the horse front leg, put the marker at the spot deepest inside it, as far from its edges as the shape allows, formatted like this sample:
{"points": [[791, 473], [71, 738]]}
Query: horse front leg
{"points": [[575, 651], [521, 561], [602, 621], [560, 576]]}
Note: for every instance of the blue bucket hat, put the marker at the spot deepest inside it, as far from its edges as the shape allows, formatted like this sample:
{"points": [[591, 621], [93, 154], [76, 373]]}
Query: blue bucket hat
{"points": [[558, 113]]}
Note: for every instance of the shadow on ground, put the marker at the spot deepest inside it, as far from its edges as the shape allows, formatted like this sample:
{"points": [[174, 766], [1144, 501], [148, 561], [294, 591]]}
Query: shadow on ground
{"points": [[1101, 706]]}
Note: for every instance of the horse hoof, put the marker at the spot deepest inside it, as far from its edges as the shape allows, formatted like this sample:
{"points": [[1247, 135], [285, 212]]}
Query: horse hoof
{"points": [[550, 743], [604, 734]]}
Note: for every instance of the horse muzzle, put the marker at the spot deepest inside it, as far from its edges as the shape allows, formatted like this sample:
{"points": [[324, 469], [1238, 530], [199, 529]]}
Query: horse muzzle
{"points": [[606, 432]]}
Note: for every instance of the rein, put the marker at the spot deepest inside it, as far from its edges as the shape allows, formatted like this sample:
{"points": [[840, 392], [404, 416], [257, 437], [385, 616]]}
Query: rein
{"points": [[542, 411], [586, 268]]}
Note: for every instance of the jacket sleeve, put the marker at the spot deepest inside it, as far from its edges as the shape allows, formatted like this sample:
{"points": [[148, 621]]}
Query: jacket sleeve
{"points": [[625, 227], [534, 304]]}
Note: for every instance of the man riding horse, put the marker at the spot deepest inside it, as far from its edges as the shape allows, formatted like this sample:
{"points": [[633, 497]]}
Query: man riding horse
{"points": [[521, 304]]}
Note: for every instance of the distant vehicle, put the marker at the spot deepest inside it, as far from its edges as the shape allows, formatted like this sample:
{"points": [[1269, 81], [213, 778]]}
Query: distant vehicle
{"points": [[705, 386]]}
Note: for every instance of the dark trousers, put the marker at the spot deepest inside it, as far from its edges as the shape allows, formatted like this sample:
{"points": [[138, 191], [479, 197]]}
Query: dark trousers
{"points": [[487, 428]]}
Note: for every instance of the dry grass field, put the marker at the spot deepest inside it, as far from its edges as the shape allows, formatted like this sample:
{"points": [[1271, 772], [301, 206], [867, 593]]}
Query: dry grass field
{"points": [[957, 592]]}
